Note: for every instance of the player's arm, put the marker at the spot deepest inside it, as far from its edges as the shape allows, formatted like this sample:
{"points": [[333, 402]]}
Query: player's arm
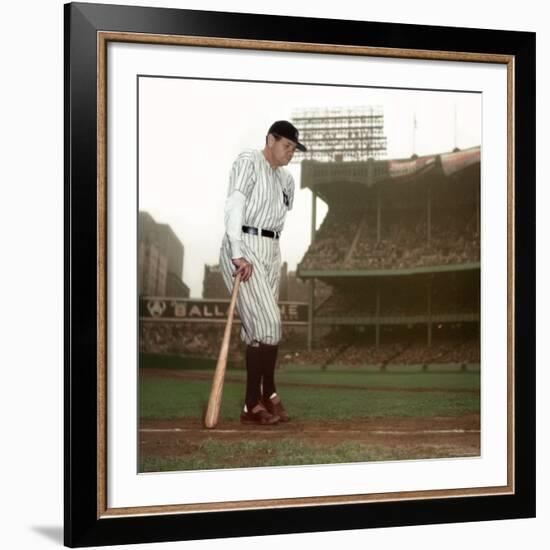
{"points": [[290, 185], [234, 213]]}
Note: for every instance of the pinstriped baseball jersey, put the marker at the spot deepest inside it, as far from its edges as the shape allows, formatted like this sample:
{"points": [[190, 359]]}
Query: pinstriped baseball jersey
{"points": [[269, 194]]}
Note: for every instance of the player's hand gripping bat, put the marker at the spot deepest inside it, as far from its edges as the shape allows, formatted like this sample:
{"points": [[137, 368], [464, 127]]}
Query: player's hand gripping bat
{"points": [[215, 399]]}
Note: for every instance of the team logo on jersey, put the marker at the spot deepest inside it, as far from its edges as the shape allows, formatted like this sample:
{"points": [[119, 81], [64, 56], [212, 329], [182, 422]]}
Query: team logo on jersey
{"points": [[286, 198]]}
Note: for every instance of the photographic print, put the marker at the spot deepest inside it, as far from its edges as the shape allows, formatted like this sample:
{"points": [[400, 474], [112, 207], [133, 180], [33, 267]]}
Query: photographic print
{"points": [[374, 353], [297, 274]]}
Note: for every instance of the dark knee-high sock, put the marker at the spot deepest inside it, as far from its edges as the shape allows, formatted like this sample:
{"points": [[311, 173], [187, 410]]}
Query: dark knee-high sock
{"points": [[253, 376], [269, 360]]}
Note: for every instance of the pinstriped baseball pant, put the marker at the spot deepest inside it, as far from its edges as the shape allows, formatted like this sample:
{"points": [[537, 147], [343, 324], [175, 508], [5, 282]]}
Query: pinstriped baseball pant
{"points": [[257, 301]]}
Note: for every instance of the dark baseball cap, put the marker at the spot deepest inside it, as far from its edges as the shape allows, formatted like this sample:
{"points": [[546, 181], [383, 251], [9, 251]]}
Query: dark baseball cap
{"points": [[285, 129]]}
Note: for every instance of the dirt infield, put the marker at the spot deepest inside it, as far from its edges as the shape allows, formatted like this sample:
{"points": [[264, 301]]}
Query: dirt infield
{"points": [[411, 438]]}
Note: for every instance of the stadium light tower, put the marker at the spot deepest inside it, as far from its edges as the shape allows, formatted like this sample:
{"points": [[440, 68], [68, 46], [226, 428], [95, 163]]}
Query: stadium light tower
{"points": [[339, 134]]}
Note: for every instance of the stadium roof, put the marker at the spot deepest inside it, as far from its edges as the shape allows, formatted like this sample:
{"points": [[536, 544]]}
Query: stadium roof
{"points": [[370, 172]]}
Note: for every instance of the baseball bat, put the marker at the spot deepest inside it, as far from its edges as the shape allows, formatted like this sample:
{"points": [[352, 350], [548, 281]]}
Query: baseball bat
{"points": [[215, 399]]}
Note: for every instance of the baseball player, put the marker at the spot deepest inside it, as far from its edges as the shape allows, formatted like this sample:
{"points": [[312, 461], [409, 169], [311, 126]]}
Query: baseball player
{"points": [[260, 193]]}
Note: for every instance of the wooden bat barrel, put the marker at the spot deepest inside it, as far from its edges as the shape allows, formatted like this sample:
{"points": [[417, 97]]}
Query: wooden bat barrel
{"points": [[215, 399]]}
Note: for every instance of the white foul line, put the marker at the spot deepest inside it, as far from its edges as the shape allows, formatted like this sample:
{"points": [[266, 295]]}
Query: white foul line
{"points": [[275, 430]]}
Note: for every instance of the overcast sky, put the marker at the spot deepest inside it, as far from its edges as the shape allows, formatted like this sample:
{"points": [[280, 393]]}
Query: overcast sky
{"points": [[190, 131]]}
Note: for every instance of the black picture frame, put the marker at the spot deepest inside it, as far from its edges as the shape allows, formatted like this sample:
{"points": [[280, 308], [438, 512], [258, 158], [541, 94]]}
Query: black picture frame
{"points": [[85, 523]]}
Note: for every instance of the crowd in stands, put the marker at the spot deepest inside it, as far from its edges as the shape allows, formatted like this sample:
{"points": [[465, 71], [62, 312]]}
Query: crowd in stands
{"points": [[389, 353], [402, 300], [203, 340], [194, 340], [190, 339], [332, 240], [456, 303], [349, 240], [347, 303]]}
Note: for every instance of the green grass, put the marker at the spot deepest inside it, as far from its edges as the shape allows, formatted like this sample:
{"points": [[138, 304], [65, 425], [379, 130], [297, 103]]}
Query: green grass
{"points": [[167, 398], [384, 380], [161, 361], [371, 380], [178, 362], [242, 454]]}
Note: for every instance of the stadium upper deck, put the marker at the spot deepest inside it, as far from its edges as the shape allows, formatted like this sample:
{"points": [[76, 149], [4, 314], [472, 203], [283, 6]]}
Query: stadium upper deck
{"points": [[409, 215], [399, 247]]}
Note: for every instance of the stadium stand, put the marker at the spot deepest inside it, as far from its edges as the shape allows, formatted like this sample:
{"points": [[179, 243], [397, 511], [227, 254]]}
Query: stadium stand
{"points": [[399, 247]]}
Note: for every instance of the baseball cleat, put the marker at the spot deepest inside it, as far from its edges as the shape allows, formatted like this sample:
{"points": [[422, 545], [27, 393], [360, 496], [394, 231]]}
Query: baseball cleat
{"points": [[274, 406], [259, 415]]}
